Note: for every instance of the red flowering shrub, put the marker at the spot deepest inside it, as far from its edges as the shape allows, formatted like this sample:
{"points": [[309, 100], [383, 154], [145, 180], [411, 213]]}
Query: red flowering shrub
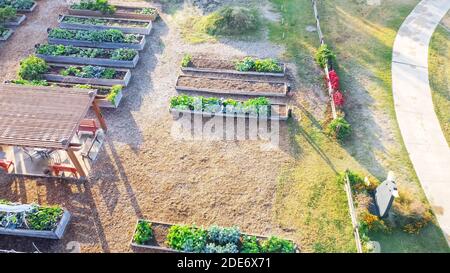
{"points": [[338, 99], [334, 80]]}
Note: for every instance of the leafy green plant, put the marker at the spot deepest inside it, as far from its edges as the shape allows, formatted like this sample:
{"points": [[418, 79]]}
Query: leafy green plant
{"points": [[277, 245], [31, 83], [223, 236], [70, 71], [250, 244], [187, 238], [3, 31], [115, 90], [124, 54], [143, 233], [339, 128], [97, 5], [17, 4], [44, 218], [7, 14], [258, 65], [32, 68], [227, 248], [110, 35], [148, 11], [187, 60], [324, 54], [85, 52]]}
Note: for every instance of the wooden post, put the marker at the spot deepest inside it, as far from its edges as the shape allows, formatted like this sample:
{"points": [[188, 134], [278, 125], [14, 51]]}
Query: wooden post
{"points": [[99, 115], [75, 162]]}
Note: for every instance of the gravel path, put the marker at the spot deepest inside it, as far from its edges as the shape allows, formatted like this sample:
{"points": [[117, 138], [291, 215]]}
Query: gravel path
{"points": [[143, 170]]}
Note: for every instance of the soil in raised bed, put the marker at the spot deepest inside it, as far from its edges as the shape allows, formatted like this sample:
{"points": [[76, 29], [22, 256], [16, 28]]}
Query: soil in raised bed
{"points": [[56, 70], [104, 22], [228, 85], [212, 63]]}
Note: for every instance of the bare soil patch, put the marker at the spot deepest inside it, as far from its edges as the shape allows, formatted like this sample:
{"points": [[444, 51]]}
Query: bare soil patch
{"points": [[230, 85]]}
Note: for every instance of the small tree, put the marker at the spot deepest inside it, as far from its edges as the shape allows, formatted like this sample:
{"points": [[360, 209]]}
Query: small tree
{"points": [[339, 128]]}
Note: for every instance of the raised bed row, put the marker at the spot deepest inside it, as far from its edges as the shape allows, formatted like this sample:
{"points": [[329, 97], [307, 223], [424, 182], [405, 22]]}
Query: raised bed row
{"points": [[13, 3], [256, 108], [89, 23], [107, 97], [5, 34], [121, 77], [232, 86], [20, 18], [103, 60], [220, 66], [75, 41], [45, 229], [120, 12], [158, 240]]}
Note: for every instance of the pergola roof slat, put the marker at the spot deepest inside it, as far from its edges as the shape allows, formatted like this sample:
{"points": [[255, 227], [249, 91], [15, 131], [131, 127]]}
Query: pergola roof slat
{"points": [[44, 117]]}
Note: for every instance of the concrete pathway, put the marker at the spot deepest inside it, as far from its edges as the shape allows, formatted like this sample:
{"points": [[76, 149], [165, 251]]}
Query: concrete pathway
{"points": [[418, 123]]}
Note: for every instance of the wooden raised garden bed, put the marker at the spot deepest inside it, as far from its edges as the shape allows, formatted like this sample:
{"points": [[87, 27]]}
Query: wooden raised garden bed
{"points": [[109, 45], [90, 61], [6, 36], [123, 77], [219, 66], [17, 21], [158, 242], [232, 86], [278, 112], [46, 234], [125, 25], [28, 10], [121, 12]]}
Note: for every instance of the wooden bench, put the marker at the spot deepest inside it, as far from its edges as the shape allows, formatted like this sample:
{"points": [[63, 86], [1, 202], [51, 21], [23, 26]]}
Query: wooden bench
{"points": [[57, 168], [6, 164]]}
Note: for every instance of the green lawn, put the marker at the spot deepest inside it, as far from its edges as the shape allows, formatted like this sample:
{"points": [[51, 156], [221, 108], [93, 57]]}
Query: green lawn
{"points": [[439, 69], [308, 198]]}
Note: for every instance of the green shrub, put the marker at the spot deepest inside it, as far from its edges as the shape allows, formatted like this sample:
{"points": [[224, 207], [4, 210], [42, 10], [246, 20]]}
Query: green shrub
{"points": [[7, 14], [44, 218], [98, 5], [143, 233], [230, 21], [339, 128], [250, 244], [187, 238], [277, 245], [186, 61], [324, 54], [32, 68]]}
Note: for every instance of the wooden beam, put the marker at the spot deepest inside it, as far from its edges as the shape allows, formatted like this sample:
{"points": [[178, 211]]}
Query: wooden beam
{"points": [[76, 162], [99, 115]]}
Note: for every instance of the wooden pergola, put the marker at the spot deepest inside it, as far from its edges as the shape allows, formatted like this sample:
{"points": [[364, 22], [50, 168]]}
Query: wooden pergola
{"points": [[45, 117]]}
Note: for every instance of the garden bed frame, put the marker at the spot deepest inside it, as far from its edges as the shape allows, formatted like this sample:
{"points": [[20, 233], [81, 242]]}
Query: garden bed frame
{"points": [[124, 29], [28, 10], [91, 81], [236, 115], [167, 249], [19, 20], [118, 14], [235, 72], [46, 234], [180, 88], [108, 45], [91, 61], [8, 34]]}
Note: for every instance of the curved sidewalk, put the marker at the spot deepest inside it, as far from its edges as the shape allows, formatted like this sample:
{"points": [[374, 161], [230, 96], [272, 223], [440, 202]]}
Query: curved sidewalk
{"points": [[420, 128]]}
